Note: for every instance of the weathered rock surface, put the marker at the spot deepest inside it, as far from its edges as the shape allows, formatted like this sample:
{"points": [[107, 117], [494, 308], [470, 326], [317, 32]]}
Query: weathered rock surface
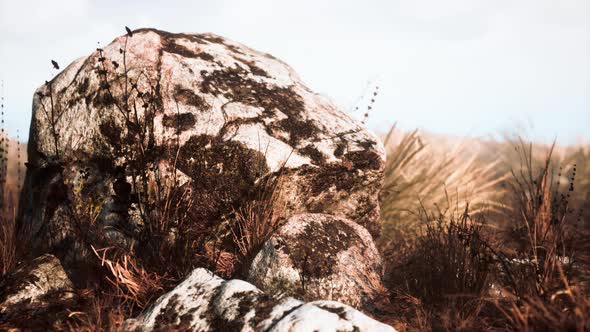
{"points": [[205, 302], [37, 287], [224, 114], [320, 256]]}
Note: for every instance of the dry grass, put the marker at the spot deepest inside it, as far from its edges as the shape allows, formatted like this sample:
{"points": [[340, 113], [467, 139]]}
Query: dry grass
{"points": [[419, 174], [257, 220], [177, 239], [546, 293], [567, 309], [172, 240], [527, 272], [106, 314], [11, 166], [445, 273], [8, 244], [130, 281], [542, 236]]}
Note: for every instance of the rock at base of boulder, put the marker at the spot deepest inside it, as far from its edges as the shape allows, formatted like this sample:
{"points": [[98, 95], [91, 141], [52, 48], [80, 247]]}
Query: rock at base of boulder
{"points": [[205, 302], [320, 256], [33, 291]]}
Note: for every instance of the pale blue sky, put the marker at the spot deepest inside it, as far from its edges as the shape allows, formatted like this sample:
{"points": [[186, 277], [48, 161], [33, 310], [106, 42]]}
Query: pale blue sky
{"points": [[463, 67]]}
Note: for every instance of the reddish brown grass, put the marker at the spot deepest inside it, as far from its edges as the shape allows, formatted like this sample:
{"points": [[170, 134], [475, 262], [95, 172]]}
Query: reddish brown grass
{"points": [[105, 314], [129, 280]]}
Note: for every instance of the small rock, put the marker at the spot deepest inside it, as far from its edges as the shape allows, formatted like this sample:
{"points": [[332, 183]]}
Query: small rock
{"points": [[320, 256], [34, 289], [205, 302]]}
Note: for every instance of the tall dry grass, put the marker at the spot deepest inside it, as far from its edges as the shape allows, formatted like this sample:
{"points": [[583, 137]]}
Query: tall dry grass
{"points": [[423, 175], [12, 169], [523, 248], [257, 220]]}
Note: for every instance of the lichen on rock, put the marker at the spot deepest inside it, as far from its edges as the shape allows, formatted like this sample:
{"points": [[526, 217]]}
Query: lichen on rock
{"points": [[319, 256], [205, 302], [219, 112]]}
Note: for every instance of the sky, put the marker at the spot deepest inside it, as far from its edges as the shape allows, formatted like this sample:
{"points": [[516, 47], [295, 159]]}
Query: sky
{"points": [[458, 67]]}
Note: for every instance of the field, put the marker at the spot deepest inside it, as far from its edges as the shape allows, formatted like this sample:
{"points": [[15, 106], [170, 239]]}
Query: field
{"points": [[477, 234], [486, 234]]}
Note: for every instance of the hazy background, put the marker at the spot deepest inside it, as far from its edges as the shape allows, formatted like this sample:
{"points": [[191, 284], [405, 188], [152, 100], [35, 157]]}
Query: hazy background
{"points": [[461, 67]]}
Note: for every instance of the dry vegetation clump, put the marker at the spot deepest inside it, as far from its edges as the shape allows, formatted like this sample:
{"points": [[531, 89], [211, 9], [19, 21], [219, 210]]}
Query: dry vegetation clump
{"points": [[521, 265], [104, 314], [543, 239], [129, 281], [425, 176], [567, 308], [257, 220], [175, 245], [7, 244], [11, 167], [447, 270]]}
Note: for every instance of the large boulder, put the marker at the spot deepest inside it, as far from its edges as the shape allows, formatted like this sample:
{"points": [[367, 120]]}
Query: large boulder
{"points": [[205, 302], [35, 291], [320, 256], [213, 113]]}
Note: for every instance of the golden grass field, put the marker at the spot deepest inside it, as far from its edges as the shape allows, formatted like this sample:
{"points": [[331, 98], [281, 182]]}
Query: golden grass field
{"points": [[459, 213]]}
